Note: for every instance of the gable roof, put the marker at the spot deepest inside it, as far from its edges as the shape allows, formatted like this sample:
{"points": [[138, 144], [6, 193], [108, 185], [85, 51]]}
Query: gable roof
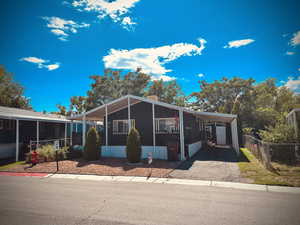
{"points": [[15, 113], [98, 113]]}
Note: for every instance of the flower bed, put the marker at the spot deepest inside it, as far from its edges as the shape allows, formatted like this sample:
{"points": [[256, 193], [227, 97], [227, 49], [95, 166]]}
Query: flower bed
{"points": [[104, 166]]}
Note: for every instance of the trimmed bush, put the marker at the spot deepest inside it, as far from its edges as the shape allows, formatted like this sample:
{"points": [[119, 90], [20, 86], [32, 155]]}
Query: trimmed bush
{"points": [[133, 148], [92, 149], [47, 153]]}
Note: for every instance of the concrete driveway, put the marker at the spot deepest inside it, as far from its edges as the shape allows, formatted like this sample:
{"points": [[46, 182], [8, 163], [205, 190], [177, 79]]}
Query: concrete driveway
{"points": [[219, 164]]}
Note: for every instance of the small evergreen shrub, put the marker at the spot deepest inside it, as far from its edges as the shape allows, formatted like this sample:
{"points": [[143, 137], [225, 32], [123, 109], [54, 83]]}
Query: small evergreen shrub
{"points": [[92, 146], [133, 148]]}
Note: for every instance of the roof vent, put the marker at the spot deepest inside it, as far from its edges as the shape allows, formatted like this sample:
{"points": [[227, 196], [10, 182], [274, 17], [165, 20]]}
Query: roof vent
{"points": [[153, 97]]}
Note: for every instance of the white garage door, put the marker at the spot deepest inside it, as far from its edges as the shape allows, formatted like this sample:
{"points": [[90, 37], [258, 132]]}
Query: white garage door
{"points": [[221, 135]]}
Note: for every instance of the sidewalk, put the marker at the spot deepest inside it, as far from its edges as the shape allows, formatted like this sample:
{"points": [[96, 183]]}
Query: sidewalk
{"points": [[254, 187]]}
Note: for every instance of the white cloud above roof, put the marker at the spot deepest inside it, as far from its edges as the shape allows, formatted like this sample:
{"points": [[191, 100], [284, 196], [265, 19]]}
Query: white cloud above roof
{"points": [[63, 28], [41, 63], [293, 84], [117, 10], [151, 60], [290, 53], [200, 75], [238, 43], [296, 39]]}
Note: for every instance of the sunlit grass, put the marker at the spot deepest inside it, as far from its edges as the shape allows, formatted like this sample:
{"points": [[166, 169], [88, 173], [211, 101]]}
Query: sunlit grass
{"points": [[10, 165], [254, 170]]}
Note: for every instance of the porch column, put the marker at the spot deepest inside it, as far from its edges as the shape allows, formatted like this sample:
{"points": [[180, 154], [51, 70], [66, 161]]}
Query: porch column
{"points": [[83, 129], [37, 134], [235, 138], [66, 130], [181, 135], [76, 128], [129, 123], [153, 129], [71, 133], [17, 140], [106, 127]]}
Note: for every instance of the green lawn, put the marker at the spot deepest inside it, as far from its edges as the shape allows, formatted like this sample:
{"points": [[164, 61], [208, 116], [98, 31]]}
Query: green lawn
{"points": [[7, 166], [251, 168]]}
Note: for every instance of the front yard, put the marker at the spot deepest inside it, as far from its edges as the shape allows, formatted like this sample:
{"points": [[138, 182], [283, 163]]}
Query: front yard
{"points": [[252, 169], [104, 166]]}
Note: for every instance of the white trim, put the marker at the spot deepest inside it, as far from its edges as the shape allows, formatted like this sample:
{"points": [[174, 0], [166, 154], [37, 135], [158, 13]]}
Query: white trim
{"points": [[230, 116], [83, 130], [115, 129], [106, 126], [129, 120], [234, 134], [17, 140], [71, 133], [37, 133], [66, 131], [181, 134], [158, 131], [153, 128]]}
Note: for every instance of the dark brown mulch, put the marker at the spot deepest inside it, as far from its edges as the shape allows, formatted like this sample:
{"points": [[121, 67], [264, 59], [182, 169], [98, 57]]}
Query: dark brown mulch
{"points": [[104, 166]]}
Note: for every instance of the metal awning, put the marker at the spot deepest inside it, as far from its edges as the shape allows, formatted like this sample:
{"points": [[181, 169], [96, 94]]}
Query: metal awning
{"points": [[22, 114], [98, 113]]}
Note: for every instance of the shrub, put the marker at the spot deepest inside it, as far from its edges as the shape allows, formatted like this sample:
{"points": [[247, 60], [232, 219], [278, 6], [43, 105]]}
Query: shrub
{"points": [[133, 148], [92, 147], [248, 130], [47, 153], [280, 133]]}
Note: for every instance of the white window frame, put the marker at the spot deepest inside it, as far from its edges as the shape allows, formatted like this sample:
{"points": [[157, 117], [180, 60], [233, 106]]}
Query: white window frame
{"points": [[1, 124], [116, 126], [175, 131]]}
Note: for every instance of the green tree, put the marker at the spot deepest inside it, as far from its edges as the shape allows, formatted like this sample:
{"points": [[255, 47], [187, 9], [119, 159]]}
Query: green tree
{"points": [[133, 147], [11, 93], [92, 147], [169, 92]]}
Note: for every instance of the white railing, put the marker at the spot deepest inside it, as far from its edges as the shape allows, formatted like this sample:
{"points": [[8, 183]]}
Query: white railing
{"points": [[62, 142]]}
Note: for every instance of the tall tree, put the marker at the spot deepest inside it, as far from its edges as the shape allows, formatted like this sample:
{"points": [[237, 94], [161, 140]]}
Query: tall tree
{"points": [[11, 93], [169, 92], [112, 85]]}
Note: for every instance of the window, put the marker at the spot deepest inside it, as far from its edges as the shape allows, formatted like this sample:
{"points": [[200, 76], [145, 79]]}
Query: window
{"points": [[166, 125], [121, 126], [1, 124]]}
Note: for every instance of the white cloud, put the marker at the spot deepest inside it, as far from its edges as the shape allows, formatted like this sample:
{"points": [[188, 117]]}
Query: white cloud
{"points": [[116, 10], [290, 53], [238, 43], [32, 59], [52, 66], [293, 84], [127, 23], [200, 75], [162, 77], [151, 60], [63, 28], [41, 63], [296, 39]]}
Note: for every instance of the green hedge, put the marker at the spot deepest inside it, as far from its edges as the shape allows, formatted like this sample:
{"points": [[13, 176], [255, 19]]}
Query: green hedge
{"points": [[92, 150], [133, 148]]}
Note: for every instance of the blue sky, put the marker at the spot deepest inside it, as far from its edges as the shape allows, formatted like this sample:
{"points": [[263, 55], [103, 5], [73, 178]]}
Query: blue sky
{"points": [[52, 46]]}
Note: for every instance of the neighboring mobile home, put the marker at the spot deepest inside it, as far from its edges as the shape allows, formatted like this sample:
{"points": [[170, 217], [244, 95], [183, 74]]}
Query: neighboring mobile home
{"points": [[293, 119], [160, 125], [19, 127]]}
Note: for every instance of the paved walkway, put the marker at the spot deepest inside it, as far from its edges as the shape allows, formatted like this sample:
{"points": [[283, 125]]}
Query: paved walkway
{"points": [[219, 165]]}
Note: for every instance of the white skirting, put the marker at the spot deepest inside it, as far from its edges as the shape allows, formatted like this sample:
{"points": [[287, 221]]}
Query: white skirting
{"points": [[195, 147], [120, 151]]}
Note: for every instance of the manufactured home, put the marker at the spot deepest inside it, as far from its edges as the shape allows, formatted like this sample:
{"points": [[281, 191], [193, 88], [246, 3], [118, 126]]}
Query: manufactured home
{"points": [[160, 125]]}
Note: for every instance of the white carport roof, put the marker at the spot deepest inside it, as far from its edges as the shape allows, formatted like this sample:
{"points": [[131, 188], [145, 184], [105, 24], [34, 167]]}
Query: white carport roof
{"points": [[98, 113], [21, 114]]}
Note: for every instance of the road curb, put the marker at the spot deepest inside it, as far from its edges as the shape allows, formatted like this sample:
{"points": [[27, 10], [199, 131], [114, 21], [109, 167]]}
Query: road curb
{"points": [[168, 181]]}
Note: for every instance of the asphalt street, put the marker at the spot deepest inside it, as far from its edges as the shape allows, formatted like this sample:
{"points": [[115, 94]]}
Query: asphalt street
{"points": [[39, 201]]}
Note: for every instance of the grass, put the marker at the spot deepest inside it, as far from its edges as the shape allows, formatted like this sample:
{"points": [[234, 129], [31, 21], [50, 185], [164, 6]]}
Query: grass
{"points": [[251, 168], [10, 165]]}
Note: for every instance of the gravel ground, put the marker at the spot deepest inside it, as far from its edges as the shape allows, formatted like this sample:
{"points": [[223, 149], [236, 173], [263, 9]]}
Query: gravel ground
{"points": [[104, 166]]}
